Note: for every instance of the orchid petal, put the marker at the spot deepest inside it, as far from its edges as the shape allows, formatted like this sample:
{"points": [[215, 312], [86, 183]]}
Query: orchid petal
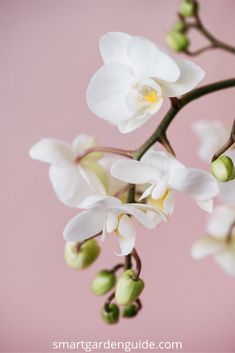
{"points": [[207, 245], [51, 151], [107, 92], [196, 183], [69, 185], [111, 222], [126, 227], [127, 244], [226, 260], [85, 225], [134, 172], [113, 47], [147, 60], [221, 221], [190, 75]]}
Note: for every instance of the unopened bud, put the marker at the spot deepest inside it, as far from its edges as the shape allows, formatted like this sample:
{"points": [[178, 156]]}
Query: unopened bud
{"points": [[103, 282], [110, 315], [188, 8], [177, 41], [128, 288], [223, 169], [130, 311], [178, 26], [80, 257]]}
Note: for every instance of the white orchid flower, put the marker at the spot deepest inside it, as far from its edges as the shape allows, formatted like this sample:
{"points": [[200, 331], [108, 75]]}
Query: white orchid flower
{"points": [[221, 239], [136, 76], [166, 174], [71, 181], [212, 135], [108, 215]]}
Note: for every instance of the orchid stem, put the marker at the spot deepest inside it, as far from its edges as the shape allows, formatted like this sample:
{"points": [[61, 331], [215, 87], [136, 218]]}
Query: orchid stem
{"points": [[128, 263], [138, 264], [108, 301], [160, 132], [117, 267]]}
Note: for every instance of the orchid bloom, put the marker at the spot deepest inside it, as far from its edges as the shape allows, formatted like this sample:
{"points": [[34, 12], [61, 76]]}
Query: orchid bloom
{"points": [[221, 239], [166, 174], [212, 135], [136, 76], [107, 215], [72, 181]]}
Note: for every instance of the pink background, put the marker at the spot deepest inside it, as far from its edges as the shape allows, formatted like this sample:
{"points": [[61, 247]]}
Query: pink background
{"points": [[48, 52]]}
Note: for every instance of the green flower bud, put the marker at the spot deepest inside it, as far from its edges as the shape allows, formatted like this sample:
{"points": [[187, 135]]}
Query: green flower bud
{"points": [[103, 282], [110, 315], [223, 169], [130, 311], [81, 257], [177, 41], [188, 8], [128, 288], [178, 26]]}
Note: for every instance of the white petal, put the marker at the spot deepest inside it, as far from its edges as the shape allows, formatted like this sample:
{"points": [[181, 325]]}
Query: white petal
{"points": [[113, 47], [100, 201], [107, 92], [93, 179], [227, 192], [68, 184], [134, 122], [51, 151], [190, 76], [147, 60], [111, 222], [82, 142], [226, 260], [168, 203], [160, 189], [127, 244], [196, 183], [133, 172], [85, 225], [206, 246], [212, 135], [136, 210], [163, 162], [206, 205], [221, 221], [126, 227]]}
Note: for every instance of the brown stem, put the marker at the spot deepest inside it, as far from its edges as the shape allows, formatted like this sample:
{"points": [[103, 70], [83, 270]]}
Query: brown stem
{"points": [[166, 144], [117, 267], [128, 263], [79, 244], [138, 264], [104, 149], [108, 301], [139, 304], [200, 51]]}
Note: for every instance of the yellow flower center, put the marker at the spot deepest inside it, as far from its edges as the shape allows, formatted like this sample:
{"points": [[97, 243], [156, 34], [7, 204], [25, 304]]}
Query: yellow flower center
{"points": [[159, 204], [151, 97]]}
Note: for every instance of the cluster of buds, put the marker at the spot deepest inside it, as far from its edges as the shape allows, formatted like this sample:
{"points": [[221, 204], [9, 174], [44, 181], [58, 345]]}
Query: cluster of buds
{"points": [[177, 38], [128, 286]]}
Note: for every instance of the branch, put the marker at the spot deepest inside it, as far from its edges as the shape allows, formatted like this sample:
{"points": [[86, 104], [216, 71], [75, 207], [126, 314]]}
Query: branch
{"points": [[177, 105]]}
